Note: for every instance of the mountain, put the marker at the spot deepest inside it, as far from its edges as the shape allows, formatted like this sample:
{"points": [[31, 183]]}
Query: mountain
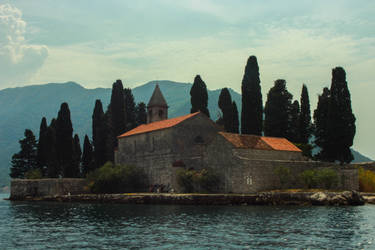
{"points": [[24, 107]]}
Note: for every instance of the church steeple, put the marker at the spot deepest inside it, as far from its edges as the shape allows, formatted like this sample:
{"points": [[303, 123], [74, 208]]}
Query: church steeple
{"points": [[157, 108]]}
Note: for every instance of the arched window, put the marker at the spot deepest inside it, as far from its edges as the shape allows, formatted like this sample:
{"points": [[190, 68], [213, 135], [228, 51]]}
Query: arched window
{"points": [[160, 113]]}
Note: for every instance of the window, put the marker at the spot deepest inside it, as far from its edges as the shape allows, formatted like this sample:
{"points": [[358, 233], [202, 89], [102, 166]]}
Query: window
{"points": [[161, 113]]}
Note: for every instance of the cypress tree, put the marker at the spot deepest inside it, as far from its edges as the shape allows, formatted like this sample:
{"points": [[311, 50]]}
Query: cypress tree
{"points": [[141, 114], [293, 131], [252, 106], [117, 108], [320, 123], [235, 118], [305, 127], [199, 96], [109, 139], [53, 168], [26, 159], [77, 153], [225, 104], [42, 152], [341, 120], [277, 110], [130, 111], [99, 134], [64, 142], [87, 157]]}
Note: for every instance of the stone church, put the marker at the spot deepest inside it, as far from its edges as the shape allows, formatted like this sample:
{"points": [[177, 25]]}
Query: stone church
{"points": [[244, 163]]}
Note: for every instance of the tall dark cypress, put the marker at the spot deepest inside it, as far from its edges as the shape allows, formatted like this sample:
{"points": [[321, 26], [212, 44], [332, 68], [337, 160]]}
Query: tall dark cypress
{"points": [[320, 123], [225, 104], [99, 134], [130, 112], [277, 110], [341, 120], [26, 159], [252, 106], [235, 122], [87, 157], [140, 113], [77, 153], [42, 153], [64, 142], [53, 168], [117, 109], [199, 96], [110, 137], [305, 127], [294, 116]]}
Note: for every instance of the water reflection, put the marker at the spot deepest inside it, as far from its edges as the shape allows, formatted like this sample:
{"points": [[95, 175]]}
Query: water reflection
{"points": [[67, 225]]}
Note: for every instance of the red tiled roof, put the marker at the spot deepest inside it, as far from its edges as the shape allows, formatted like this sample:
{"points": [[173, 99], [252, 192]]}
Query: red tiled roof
{"points": [[144, 128], [260, 142]]}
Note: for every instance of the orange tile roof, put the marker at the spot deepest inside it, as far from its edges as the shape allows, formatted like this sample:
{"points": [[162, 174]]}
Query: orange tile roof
{"points": [[144, 128], [260, 142]]}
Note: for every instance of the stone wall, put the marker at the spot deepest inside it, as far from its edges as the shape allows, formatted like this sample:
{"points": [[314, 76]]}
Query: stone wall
{"points": [[21, 188]]}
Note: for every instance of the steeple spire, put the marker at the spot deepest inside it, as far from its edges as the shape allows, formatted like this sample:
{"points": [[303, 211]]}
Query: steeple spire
{"points": [[157, 108]]}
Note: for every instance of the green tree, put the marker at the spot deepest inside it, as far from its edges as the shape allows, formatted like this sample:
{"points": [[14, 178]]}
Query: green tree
{"points": [[199, 96], [77, 153], [53, 168], [130, 111], [99, 134], [117, 109], [305, 127], [293, 130], [140, 113], [320, 123], [252, 106], [277, 110], [26, 159], [235, 118], [87, 157], [42, 151], [225, 104], [64, 142], [341, 120]]}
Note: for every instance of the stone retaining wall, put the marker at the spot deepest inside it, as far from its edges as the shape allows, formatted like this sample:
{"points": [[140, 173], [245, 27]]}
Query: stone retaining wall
{"points": [[22, 188]]}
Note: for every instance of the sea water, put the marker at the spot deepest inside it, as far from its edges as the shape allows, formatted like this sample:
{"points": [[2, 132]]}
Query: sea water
{"points": [[40, 225]]}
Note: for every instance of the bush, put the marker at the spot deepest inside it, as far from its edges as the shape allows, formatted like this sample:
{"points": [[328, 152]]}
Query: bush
{"points": [[366, 180], [198, 181], [284, 176], [112, 178], [326, 178], [34, 174]]}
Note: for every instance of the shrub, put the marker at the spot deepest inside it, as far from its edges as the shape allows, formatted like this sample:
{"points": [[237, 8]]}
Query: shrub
{"points": [[198, 181], [34, 174], [284, 176], [366, 180], [309, 178], [326, 178], [112, 178], [306, 149]]}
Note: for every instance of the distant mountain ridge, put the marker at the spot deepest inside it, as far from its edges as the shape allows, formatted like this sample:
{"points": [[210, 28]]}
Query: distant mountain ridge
{"points": [[24, 107]]}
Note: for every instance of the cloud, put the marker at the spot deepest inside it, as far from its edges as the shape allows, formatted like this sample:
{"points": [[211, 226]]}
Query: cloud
{"points": [[18, 60]]}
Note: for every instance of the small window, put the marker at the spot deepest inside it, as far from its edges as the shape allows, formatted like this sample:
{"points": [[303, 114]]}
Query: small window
{"points": [[161, 113], [198, 139]]}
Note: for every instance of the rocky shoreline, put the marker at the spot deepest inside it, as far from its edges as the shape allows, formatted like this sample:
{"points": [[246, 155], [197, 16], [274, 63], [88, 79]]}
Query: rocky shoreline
{"points": [[352, 198]]}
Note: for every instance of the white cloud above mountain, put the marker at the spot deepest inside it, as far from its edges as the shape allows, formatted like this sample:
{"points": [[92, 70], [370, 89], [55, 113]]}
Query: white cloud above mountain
{"points": [[19, 60]]}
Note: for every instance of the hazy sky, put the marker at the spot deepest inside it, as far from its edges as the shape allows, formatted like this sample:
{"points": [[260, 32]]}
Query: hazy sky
{"points": [[96, 42]]}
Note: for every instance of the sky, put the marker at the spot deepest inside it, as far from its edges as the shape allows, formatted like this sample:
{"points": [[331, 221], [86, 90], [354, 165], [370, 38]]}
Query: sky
{"points": [[95, 42]]}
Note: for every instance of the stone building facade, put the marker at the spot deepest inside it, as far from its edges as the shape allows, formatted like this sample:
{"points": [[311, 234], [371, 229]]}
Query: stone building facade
{"points": [[244, 163]]}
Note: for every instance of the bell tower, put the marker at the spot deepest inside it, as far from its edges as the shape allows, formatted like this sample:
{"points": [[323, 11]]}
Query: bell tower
{"points": [[157, 108]]}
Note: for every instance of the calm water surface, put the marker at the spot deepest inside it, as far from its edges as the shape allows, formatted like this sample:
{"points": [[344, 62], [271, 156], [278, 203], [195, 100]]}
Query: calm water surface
{"points": [[28, 225]]}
